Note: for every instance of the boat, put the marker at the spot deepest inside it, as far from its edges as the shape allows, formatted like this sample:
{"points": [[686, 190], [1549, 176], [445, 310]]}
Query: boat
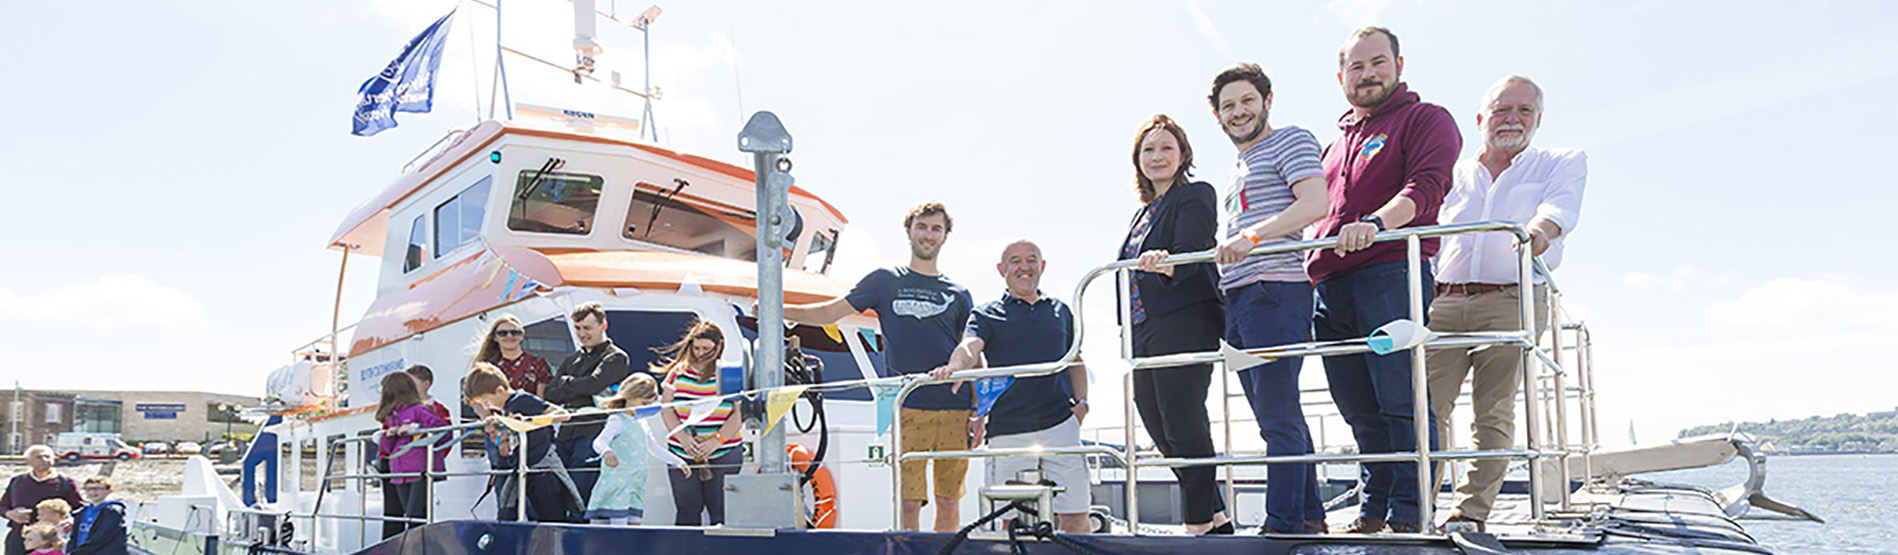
{"points": [[533, 215]]}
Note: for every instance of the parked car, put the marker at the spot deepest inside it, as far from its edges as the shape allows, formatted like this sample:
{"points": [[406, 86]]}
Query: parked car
{"points": [[188, 448], [74, 446], [155, 448]]}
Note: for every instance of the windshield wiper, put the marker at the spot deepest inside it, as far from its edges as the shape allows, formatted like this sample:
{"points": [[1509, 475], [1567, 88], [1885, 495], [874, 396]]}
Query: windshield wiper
{"points": [[659, 203]]}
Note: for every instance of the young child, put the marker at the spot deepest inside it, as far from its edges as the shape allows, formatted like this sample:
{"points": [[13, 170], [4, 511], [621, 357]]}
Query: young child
{"points": [[58, 514], [551, 495], [41, 539], [401, 413], [99, 526], [619, 498]]}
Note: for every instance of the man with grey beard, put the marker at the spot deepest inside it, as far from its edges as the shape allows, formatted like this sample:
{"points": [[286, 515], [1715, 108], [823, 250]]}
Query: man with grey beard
{"points": [[1478, 277]]}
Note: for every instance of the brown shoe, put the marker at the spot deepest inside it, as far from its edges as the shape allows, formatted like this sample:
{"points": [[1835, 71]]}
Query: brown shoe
{"points": [[1315, 526], [1363, 525], [1404, 528]]}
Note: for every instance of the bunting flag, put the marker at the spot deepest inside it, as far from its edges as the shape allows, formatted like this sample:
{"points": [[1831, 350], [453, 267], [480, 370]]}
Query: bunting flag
{"points": [[886, 404], [654, 446], [648, 411], [778, 403], [987, 390], [406, 85], [834, 333], [697, 412]]}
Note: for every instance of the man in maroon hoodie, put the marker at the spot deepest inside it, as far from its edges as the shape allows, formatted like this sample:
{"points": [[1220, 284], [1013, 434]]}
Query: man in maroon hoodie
{"points": [[1389, 170]]}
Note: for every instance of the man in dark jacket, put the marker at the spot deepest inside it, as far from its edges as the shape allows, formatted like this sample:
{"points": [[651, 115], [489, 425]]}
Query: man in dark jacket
{"points": [[99, 527], [40, 482], [598, 365]]}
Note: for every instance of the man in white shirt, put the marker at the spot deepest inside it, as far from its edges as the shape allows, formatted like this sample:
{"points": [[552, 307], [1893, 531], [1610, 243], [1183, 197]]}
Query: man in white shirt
{"points": [[1477, 274]]}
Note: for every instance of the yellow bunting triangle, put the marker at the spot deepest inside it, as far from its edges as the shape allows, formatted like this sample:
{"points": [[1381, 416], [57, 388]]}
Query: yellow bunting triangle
{"points": [[779, 402], [834, 333]]}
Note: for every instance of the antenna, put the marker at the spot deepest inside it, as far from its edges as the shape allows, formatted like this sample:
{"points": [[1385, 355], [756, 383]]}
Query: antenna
{"points": [[644, 24]]}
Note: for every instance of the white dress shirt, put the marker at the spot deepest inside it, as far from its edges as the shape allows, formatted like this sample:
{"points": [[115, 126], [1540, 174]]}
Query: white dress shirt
{"points": [[1540, 184]]}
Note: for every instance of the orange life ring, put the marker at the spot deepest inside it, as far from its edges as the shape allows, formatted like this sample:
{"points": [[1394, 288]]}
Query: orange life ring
{"points": [[823, 491]]}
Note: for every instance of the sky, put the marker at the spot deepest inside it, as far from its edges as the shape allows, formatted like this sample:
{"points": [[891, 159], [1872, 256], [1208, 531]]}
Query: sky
{"points": [[174, 171]]}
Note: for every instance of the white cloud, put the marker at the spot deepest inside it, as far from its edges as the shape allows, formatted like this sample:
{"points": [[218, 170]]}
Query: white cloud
{"points": [[1808, 304], [109, 302]]}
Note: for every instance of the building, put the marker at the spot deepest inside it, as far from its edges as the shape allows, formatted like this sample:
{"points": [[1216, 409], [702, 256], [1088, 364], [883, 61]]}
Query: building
{"points": [[36, 417], [138, 416]]}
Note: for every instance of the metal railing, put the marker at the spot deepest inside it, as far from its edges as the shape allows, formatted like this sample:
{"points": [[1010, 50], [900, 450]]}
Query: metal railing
{"points": [[1526, 338]]}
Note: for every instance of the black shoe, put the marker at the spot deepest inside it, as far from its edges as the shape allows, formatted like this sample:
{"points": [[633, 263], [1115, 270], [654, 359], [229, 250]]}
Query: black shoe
{"points": [[1221, 530], [1405, 528]]}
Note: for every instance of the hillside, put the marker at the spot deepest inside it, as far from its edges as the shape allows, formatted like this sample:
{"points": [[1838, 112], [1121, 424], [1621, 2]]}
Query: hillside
{"points": [[1845, 433]]}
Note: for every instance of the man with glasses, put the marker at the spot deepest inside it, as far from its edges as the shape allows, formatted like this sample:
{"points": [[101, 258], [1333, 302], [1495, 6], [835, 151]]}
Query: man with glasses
{"points": [[597, 365]]}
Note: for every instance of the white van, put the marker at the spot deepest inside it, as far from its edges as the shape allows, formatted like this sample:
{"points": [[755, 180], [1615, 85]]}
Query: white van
{"points": [[73, 446]]}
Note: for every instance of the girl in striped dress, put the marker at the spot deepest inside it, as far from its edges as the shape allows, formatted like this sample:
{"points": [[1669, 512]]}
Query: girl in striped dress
{"points": [[712, 442]]}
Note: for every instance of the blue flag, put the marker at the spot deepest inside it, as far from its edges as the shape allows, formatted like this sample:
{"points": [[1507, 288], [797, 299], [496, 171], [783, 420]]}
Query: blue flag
{"points": [[987, 390], [407, 85]]}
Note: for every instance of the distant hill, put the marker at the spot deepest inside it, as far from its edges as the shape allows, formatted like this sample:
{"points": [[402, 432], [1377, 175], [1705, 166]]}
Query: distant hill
{"points": [[1845, 433]]}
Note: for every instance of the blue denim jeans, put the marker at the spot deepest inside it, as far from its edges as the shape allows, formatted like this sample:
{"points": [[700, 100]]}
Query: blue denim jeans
{"points": [[1266, 314], [582, 464], [1373, 392]]}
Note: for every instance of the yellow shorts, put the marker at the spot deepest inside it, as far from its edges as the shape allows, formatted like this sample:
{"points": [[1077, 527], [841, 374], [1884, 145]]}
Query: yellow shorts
{"points": [[935, 430]]}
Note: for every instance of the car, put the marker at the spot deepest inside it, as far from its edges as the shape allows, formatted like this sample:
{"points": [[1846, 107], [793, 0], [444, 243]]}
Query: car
{"points": [[189, 448], [155, 448]]}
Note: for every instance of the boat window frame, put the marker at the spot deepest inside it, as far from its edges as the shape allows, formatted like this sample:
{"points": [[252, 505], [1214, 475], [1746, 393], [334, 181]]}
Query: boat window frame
{"points": [[416, 255], [517, 220], [647, 192], [829, 237], [462, 206]]}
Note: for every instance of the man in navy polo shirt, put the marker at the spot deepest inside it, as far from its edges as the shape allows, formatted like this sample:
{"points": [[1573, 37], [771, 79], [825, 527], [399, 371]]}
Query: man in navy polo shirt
{"points": [[1027, 327]]}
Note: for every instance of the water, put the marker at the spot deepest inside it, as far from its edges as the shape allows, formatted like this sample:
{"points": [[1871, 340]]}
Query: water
{"points": [[1857, 495]]}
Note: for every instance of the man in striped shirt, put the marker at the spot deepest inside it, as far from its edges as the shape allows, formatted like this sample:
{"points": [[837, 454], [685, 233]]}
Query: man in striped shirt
{"points": [[1277, 188]]}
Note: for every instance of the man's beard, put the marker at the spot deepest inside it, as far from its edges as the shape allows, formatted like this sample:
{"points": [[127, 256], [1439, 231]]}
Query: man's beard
{"points": [[921, 254], [1372, 98], [1258, 127]]}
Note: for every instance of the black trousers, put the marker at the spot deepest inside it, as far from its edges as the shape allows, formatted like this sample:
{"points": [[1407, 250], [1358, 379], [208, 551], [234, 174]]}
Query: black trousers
{"points": [[1172, 401], [693, 498], [16, 543], [414, 501]]}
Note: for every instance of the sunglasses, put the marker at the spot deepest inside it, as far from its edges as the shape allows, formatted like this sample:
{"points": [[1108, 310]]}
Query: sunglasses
{"points": [[509, 333]]}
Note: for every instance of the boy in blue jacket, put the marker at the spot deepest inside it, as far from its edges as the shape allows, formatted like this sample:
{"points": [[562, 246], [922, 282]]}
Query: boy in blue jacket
{"points": [[99, 526]]}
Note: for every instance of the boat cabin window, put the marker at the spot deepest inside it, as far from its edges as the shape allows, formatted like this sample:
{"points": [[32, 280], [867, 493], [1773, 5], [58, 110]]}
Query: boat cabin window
{"points": [[458, 221], [823, 248], [667, 217], [554, 202], [418, 244]]}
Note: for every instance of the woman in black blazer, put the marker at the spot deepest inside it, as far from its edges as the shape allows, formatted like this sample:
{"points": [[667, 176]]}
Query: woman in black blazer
{"points": [[1176, 309]]}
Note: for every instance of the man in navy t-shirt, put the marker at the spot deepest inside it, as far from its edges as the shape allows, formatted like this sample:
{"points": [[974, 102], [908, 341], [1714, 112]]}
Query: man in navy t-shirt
{"points": [[921, 314], [1027, 327]]}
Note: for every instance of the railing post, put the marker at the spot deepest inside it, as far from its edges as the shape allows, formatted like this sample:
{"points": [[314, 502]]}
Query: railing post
{"points": [[520, 476], [1124, 280], [1419, 389], [1530, 375], [1561, 394]]}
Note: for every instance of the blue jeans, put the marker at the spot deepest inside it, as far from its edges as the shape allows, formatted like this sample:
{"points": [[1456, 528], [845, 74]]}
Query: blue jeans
{"points": [[1267, 314], [582, 464], [1373, 392]]}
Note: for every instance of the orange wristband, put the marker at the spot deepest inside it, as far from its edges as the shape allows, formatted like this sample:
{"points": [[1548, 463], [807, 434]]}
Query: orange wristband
{"points": [[1250, 236]]}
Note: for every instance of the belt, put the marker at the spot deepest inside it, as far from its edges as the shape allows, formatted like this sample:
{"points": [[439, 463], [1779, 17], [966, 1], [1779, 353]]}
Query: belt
{"points": [[1471, 288]]}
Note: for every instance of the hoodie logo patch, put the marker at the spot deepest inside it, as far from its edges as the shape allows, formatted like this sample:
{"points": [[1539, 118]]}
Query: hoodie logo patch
{"points": [[1372, 147]]}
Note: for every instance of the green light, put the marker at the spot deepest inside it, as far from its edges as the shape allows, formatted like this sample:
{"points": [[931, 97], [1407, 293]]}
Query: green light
{"points": [[494, 157]]}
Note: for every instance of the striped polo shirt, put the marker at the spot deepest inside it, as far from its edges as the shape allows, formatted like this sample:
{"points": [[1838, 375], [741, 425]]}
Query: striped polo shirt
{"points": [[686, 389], [1259, 187]]}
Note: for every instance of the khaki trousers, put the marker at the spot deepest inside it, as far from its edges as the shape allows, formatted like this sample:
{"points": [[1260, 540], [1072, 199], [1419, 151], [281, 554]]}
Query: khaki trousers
{"points": [[1493, 389]]}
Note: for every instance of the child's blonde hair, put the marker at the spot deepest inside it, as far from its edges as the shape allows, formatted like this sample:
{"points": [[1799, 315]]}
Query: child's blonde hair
{"points": [[48, 534], [637, 389], [56, 506]]}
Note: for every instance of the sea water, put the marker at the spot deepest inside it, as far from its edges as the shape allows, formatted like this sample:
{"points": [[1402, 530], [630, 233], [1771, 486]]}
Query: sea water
{"points": [[1857, 495]]}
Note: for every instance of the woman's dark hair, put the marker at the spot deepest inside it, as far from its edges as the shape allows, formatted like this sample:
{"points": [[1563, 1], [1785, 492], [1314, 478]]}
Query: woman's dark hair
{"points": [[1144, 185], [398, 391], [680, 352]]}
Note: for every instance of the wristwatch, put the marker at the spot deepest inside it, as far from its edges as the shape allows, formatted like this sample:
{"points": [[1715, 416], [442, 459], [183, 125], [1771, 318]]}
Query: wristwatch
{"points": [[1379, 222]]}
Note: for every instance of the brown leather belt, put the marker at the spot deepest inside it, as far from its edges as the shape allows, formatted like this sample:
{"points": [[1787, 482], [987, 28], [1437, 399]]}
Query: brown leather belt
{"points": [[1471, 288]]}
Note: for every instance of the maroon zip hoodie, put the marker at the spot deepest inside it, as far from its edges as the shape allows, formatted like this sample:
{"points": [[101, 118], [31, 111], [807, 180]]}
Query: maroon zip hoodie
{"points": [[1405, 147]]}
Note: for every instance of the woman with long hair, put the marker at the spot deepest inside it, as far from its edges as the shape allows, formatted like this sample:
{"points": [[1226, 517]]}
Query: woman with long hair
{"points": [[713, 441], [1176, 309], [503, 348], [401, 413]]}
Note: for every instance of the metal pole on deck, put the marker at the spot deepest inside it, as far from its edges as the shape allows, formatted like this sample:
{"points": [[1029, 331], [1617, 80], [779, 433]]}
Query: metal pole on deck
{"points": [[767, 141], [1531, 372], [1419, 389]]}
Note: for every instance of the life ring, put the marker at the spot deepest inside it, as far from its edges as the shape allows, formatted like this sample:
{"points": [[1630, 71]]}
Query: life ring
{"points": [[823, 512]]}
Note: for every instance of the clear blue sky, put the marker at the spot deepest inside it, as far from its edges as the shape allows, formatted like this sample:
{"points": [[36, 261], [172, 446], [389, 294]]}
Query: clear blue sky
{"points": [[172, 172]]}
